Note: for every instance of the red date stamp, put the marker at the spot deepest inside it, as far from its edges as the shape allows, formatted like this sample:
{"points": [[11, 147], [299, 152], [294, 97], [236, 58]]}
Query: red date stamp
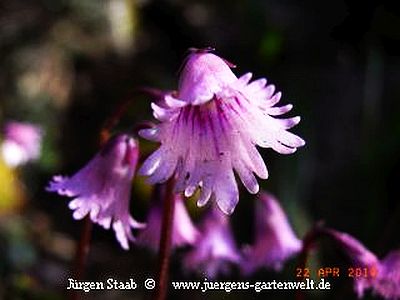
{"points": [[332, 272]]}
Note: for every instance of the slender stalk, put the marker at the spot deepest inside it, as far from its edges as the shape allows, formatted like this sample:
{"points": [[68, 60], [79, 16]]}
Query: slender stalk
{"points": [[308, 244], [165, 241], [82, 253]]}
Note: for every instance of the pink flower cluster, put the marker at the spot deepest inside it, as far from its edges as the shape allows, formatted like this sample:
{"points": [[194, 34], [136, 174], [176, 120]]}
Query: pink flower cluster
{"points": [[208, 130]]}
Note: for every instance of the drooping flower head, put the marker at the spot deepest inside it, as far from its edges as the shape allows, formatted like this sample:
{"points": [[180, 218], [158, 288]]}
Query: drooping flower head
{"points": [[388, 280], [102, 188], [22, 143], [183, 231], [215, 248], [275, 242], [210, 128], [383, 275]]}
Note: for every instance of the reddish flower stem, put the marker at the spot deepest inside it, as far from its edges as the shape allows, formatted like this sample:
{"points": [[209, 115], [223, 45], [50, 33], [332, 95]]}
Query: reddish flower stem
{"points": [[82, 253], [83, 247], [308, 244], [165, 241]]}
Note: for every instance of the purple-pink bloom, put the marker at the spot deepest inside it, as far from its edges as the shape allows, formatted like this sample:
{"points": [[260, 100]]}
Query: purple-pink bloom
{"points": [[210, 128], [388, 280], [215, 248], [275, 241], [22, 143], [183, 231], [383, 276], [102, 188]]}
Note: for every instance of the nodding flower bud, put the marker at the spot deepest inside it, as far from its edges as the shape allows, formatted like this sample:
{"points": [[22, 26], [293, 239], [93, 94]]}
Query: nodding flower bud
{"points": [[383, 276], [183, 231], [275, 241], [215, 249]]}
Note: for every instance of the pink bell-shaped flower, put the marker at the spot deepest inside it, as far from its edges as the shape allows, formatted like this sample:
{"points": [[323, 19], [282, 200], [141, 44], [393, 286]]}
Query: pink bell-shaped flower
{"points": [[382, 276], [210, 128], [215, 248], [183, 231], [102, 188], [275, 241]]}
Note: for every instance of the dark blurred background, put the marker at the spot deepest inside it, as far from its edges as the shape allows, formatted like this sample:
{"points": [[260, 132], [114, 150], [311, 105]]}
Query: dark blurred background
{"points": [[66, 64]]}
